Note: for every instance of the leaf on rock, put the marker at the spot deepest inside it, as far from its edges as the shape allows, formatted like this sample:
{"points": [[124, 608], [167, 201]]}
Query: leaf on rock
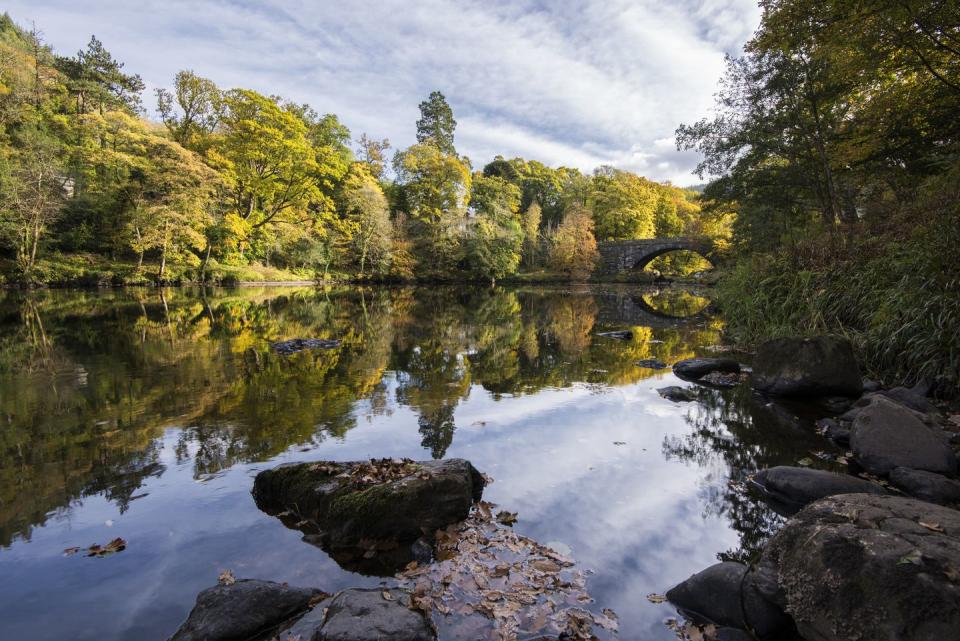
{"points": [[226, 578], [933, 527], [656, 598], [507, 518]]}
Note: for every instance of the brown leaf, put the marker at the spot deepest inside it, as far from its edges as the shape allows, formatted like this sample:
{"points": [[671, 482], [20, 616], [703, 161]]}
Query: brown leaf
{"points": [[70, 551], [507, 518], [656, 598], [935, 527], [386, 595], [226, 578]]}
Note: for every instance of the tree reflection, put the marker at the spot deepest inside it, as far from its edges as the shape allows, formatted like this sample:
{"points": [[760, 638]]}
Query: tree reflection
{"points": [[89, 381]]}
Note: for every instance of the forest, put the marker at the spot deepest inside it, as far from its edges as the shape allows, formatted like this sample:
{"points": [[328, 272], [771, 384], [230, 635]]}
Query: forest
{"points": [[836, 139], [234, 185]]}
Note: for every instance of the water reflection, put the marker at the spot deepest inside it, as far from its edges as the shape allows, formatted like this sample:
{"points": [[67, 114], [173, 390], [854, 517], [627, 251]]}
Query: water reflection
{"points": [[173, 398]]}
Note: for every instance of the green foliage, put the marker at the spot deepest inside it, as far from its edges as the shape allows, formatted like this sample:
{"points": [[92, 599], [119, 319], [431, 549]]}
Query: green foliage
{"points": [[436, 124], [573, 248]]}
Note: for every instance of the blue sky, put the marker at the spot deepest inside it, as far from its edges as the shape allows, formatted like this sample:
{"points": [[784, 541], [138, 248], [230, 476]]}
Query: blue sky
{"points": [[577, 83]]}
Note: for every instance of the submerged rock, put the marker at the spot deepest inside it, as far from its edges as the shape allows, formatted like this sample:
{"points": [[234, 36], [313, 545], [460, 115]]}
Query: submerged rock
{"points": [[677, 394], [243, 610], [692, 369], [886, 435], [300, 344], [652, 363], [720, 379], [724, 594], [793, 487], [373, 615], [818, 366], [863, 566], [927, 486], [369, 512]]}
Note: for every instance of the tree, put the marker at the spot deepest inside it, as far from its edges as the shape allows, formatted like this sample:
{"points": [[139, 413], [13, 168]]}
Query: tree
{"points": [[98, 82], [31, 194], [531, 233], [573, 248], [269, 166], [366, 207], [192, 112], [373, 152], [623, 205], [494, 236], [436, 124]]}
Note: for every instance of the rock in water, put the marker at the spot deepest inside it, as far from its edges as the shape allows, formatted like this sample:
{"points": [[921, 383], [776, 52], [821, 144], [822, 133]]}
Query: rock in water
{"points": [[295, 345], [818, 366], [677, 394], [927, 486], [724, 594], [242, 610], [720, 379], [886, 435], [372, 504], [691, 369], [368, 615], [652, 363], [794, 487], [869, 567]]}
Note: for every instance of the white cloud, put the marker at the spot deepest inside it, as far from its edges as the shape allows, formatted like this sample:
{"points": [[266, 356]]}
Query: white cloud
{"points": [[578, 83]]}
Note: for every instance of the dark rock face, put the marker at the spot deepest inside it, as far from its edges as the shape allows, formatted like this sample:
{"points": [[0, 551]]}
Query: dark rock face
{"points": [[862, 566], [365, 615], [242, 610], [692, 369], [299, 344], [677, 394], [834, 431], [886, 435], [373, 523], [927, 486], [725, 594], [794, 487], [806, 367], [912, 397]]}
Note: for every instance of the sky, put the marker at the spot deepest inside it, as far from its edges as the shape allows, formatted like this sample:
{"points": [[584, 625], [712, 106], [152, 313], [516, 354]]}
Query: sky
{"points": [[579, 83]]}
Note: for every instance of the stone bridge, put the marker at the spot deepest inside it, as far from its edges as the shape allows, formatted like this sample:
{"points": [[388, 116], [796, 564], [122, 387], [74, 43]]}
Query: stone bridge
{"points": [[630, 308], [623, 255]]}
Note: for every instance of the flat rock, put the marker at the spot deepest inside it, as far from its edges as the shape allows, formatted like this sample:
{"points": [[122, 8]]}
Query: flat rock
{"points": [[720, 379], [794, 487], [366, 615], [242, 610], [870, 567], [723, 594], [692, 369], [886, 435], [912, 397], [677, 394], [344, 507], [807, 367], [927, 486]]}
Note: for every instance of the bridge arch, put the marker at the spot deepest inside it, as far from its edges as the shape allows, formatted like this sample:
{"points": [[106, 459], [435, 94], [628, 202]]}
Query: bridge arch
{"points": [[624, 255]]}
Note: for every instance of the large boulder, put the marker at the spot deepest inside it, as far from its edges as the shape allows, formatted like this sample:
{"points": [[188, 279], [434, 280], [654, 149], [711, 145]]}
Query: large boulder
{"points": [[692, 369], [927, 486], [724, 594], [869, 567], [373, 615], [243, 610], [806, 367], [886, 435], [794, 487], [356, 511]]}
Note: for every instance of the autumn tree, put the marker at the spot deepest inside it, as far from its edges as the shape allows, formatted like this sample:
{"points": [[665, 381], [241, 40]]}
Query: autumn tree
{"points": [[531, 233], [374, 153], [623, 205], [191, 112], [573, 248], [366, 207]]}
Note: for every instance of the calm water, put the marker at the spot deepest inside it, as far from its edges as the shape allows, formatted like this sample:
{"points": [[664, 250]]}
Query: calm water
{"points": [[145, 415]]}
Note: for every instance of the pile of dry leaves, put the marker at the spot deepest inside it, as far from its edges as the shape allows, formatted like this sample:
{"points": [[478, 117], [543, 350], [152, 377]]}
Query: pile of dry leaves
{"points": [[116, 545], [373, 471], [488, 582]]}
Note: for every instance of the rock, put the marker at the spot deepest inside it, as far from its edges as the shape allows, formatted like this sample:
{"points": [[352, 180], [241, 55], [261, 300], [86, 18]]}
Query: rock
{"points": [[365, 615], [242, 610], [720, 379], [834, 431], [806, 367], [834, 404], [723, 594], [927, 486], [870, 386], [862, 566], [677, 394], [366, 515], [652, 363], [307, 626], [422, 551], [886, 435], [692, 369], [732, 634], [299, 344], [794, 487], [623, 334], [914, 398]]}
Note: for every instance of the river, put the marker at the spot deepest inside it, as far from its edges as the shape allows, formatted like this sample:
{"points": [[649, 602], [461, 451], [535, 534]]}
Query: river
{"points": [[145, 414]]}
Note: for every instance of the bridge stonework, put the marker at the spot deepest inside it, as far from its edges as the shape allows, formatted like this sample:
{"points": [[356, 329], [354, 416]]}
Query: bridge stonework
{"points": [[623, 255]]}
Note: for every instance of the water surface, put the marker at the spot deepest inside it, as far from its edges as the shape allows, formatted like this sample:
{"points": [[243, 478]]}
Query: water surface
{"points": [[145, 414]]}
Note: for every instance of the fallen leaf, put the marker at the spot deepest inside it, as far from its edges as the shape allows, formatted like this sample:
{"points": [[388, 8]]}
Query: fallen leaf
{"points": [[70, 551], [935, 527], [226, 578], [805, 461], [507, 518], [656, 598], [386, 595]]}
